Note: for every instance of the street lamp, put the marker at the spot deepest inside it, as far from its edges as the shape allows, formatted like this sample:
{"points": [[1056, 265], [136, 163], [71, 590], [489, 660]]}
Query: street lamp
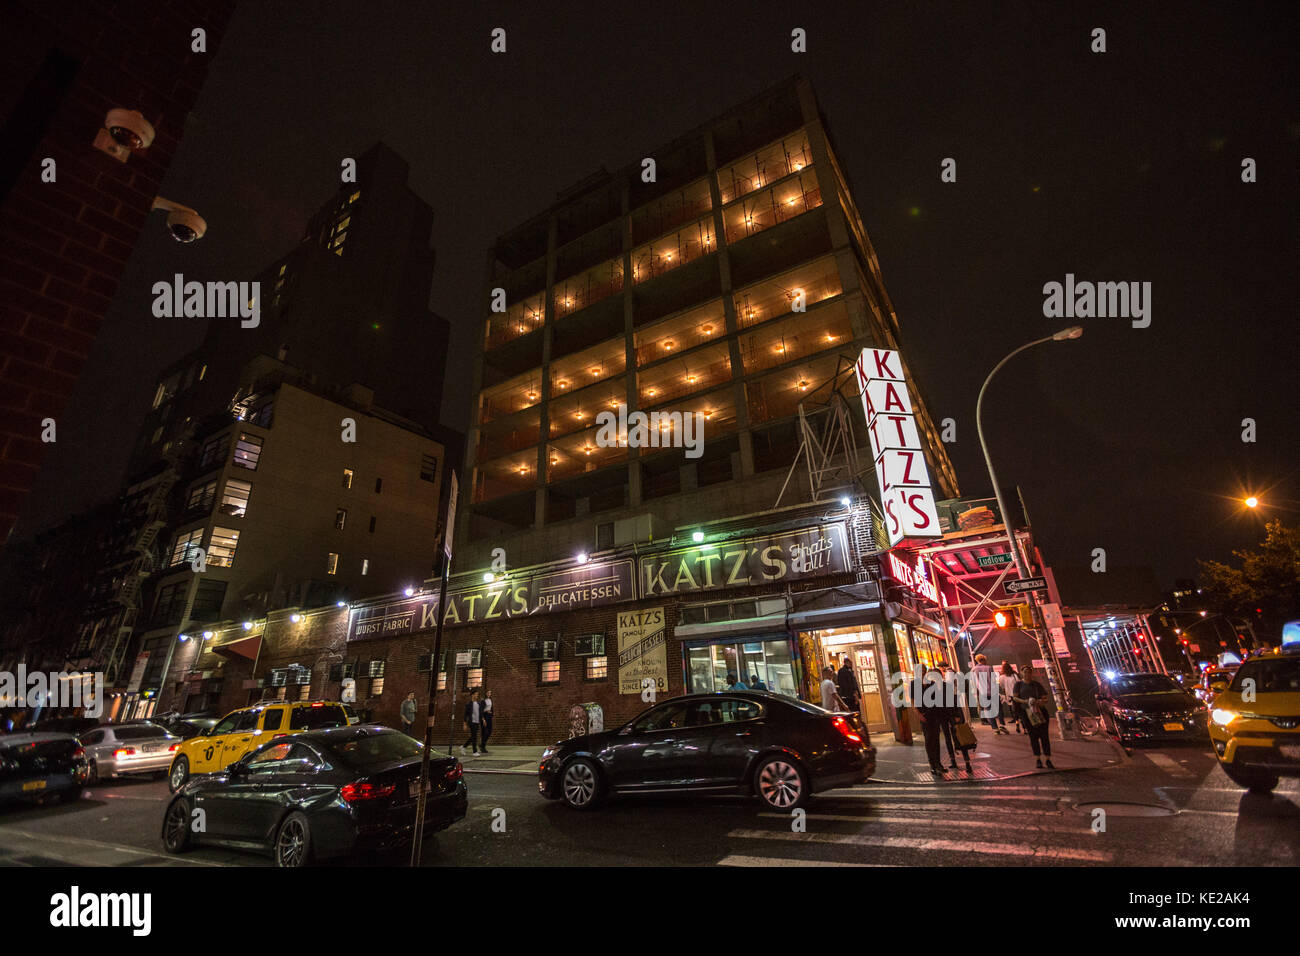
{"points": [[1251, 502], [1049, 654]]}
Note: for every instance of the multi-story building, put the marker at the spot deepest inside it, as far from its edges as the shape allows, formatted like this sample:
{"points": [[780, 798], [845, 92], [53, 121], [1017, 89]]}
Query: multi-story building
{"points": [[738, 284], [303, 496]]}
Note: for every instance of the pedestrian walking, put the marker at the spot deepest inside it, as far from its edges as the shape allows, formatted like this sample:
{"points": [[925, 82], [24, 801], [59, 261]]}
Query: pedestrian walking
{"points": [[473, 721], [929, 708], [949, 712], [831, 699], [847, 684], [987, 693], [485, 719], [408, 714], [1007, 681], [1034, 702]]}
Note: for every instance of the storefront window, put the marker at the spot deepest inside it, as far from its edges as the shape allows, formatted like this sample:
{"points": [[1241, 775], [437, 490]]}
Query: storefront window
{"points": [[762, 664]]}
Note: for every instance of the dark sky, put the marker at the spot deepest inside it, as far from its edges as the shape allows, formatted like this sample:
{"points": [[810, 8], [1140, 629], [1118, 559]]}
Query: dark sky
{"points": [[1123, 166]]}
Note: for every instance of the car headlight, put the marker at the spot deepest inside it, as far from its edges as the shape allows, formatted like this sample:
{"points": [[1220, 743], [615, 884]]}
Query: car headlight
{"points": [[1123, 713], [1222, 717], [550, 752]]}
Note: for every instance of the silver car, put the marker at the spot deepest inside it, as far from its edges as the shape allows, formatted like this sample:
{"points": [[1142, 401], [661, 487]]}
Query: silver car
{"points": [[118, 749]]}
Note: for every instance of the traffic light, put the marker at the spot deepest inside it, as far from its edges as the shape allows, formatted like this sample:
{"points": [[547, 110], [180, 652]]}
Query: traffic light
{"points": [[1013, 615]]}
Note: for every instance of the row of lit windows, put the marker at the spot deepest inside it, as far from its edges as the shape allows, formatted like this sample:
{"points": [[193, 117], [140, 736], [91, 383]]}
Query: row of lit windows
{"points": [[548, 672], [332, 564]]}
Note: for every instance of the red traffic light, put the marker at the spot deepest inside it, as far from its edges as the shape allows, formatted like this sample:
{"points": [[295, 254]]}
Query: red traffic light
{"points": [[1001, 618]]}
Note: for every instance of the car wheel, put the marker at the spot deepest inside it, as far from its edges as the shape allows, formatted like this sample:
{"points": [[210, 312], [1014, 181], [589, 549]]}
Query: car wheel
{"points": [[293, 841], [179, 773], [176, 835], [92, 774], [1256, 781], [1089, 726], [781, 783], [580, 784]]}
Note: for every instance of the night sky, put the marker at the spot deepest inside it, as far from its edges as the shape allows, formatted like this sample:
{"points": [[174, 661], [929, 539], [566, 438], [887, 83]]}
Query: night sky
{"points": [[1123, 166]]}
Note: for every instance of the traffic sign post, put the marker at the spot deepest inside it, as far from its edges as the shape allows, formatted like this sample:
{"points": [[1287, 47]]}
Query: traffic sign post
{"points": [[1025, 585]]}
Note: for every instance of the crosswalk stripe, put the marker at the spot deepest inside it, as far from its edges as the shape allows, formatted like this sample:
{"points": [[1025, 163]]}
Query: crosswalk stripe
{"points": [[928, 845], [1168, 764], [981, 790], [945, 795], [738, 860], [1084, 826], [934, 808]]}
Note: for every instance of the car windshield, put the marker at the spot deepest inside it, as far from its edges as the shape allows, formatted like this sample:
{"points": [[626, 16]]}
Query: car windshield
{"points": [[369, 750], [1145, 684], [1279, 675], [317, 717]]}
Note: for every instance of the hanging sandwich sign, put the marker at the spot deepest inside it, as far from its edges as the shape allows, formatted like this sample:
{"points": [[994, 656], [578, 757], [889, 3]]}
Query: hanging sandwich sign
{"points": [[906, 492]]}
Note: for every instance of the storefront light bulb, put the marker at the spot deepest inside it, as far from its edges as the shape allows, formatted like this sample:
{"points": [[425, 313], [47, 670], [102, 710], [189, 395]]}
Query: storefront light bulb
{"points": [[183, 637], [697, 536], [295, 618], [409, 591], [582, 557], [248, 625], [207, 635], [488, 577]]}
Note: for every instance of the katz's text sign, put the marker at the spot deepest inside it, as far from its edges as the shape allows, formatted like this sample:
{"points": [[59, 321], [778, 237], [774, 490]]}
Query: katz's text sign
{"points": [[906, 492], [642, 651], [589, 585], [785, 556]]}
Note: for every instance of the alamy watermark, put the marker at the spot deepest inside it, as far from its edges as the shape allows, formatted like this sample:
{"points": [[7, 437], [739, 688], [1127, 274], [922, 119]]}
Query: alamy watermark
{"points": [[209, 300], [623, 429], [1086, 300], [53, 690]]}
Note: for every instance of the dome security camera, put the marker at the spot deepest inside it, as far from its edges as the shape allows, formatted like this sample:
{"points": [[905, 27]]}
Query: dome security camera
{"points": [[183, 223], [124, 132]]}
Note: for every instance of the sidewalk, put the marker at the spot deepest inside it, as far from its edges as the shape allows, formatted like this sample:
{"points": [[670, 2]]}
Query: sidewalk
{"points": [[994, 758]]}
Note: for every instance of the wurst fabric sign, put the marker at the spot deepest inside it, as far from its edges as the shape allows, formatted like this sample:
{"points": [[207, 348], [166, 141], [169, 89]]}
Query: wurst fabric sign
{"points": [[642, 651], [588, 585]]}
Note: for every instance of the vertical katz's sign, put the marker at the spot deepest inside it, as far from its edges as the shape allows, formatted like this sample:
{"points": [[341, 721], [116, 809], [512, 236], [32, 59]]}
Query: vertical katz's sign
{"points": [[642, 651], [906, 492]]}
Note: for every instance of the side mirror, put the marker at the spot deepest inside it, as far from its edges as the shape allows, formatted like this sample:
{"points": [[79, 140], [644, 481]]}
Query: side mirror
{"points": [[236, 769]]}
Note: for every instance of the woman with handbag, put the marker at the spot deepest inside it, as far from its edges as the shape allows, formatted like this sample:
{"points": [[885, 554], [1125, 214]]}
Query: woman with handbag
{"points": [[952, 716], [1033, 701]]}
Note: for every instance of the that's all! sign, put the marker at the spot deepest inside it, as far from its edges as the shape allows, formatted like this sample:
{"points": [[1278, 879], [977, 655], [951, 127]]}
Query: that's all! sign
{"points": [[906, 492]]}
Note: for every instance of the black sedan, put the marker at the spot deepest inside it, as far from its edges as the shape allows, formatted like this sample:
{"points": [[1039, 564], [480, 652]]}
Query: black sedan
{"points": [[36, 766], [1139, 707], [747, 742], [344, 792]]}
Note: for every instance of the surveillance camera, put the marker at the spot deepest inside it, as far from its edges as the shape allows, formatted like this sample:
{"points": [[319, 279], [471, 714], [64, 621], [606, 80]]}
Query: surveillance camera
{"points": [[183, 223], [124, 131]]}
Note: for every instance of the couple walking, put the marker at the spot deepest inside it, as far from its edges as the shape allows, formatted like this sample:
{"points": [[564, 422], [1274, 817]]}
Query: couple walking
{"points": [[942, 720], [1019, 695]]}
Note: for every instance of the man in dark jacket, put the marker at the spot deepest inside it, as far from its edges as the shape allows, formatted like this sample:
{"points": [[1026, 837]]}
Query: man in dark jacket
{"points": [[473, 719], [930, 708], [848, 685]]}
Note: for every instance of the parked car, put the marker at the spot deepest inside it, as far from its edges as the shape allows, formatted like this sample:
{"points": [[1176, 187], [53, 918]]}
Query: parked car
{"points": [[1214, 681], [1255, 723], [1137, 707], [186, 726], [339, 793], [247, 729], [777, 747], [63, 725], [34, 766], [115, 750]]}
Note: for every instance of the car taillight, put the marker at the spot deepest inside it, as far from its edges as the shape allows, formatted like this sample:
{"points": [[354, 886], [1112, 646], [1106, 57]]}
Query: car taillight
{"points": [[455, 773], [352, 792], [318, 704], [278, 736], [843, 727], [123, 752], [173, 748], [79, 753]]}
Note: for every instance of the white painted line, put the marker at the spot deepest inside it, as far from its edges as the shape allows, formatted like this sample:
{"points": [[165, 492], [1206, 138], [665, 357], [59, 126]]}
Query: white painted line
{"points": [[99, 845], [977, 796], [1083, 828], [1168, 765], [735, 860], [983, 791], [929, 845]]}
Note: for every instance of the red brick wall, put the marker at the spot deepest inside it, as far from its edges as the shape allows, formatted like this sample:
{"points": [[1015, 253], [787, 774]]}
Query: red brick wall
{"points": [[63, 245]]}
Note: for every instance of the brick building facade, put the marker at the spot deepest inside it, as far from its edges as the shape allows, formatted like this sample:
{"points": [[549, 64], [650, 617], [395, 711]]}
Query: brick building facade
{"points": [[64, 244]]}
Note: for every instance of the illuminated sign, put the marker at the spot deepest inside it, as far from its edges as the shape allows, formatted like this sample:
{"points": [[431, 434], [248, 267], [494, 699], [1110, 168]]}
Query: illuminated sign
{"points": [[906, 492], [916, 578]]}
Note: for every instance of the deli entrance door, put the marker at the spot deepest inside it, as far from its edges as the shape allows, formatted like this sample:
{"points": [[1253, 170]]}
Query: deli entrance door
{"points": [[861, 646]]}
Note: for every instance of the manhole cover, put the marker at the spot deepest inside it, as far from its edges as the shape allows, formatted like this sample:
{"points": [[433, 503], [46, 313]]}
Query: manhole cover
{"points": [[1119, 809]]}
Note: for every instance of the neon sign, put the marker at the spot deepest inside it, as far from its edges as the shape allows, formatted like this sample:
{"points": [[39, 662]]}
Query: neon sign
{"points": [[916, 578]]}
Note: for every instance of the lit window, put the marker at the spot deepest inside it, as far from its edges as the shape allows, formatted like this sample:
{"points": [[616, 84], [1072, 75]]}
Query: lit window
{"points": [[597, 668], [248, 450], [340, 519], [304, 692], [221, 547], [187, 542], [332, 564], [347, 477], [365, 566], [234, 501], [473, 677], [550, 672], [442, 680]]}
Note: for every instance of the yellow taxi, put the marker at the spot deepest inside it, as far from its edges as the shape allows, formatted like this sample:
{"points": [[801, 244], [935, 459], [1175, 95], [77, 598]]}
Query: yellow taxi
{"points": [[1255, 723], [245, 730]]}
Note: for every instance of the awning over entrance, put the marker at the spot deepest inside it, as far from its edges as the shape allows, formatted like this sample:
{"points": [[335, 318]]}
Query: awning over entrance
{"points": [[245, 647], [832, 607]]}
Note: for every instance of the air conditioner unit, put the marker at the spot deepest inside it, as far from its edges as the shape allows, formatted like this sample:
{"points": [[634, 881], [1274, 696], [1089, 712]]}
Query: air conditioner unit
{"points": [[278, 678], [589, 645], [539, 650]]}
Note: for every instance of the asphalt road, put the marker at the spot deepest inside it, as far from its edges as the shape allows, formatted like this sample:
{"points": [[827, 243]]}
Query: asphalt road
{"points": [[1164, 807]]}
